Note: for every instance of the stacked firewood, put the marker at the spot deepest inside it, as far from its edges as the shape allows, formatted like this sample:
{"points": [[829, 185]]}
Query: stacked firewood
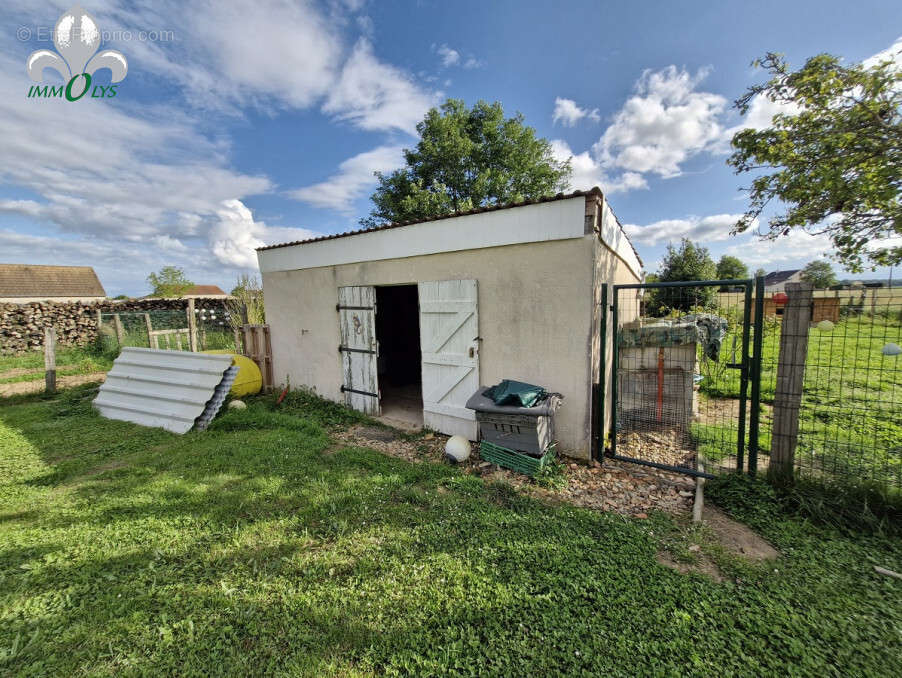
{"points": [[22, 325]]}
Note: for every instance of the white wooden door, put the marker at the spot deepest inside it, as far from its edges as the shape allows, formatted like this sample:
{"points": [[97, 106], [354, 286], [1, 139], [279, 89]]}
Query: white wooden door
{"points": [[449, 341], [357, 323]]}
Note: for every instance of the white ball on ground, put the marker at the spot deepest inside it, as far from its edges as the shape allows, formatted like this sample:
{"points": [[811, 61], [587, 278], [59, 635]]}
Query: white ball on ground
{"points": [[892, 349], [237, 405], [457, 449], [825, 325]]}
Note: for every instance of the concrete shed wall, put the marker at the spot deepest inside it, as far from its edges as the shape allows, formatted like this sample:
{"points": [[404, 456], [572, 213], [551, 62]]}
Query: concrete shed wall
{"points": [[535, 319], [610, 269]]}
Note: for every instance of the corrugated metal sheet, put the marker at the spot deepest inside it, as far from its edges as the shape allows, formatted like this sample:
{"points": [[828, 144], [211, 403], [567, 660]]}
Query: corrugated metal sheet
{"points": [[219, 396], [169, 389]]}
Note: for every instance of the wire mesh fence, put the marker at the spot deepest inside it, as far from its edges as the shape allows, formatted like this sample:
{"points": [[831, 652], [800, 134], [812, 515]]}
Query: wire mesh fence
{"points": [[829, 398], [681, 357], [847, 423], [167, 329]]}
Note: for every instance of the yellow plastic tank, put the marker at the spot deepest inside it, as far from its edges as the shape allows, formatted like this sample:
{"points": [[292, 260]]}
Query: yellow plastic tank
{"points": [[248, 381]]}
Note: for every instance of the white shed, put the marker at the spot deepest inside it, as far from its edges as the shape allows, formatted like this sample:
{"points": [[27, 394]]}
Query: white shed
{"points": [[407, 320]]}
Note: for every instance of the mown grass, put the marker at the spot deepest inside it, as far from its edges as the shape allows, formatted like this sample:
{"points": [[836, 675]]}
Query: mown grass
{"points": [[94, 357], [70, 360], [262, 547]]}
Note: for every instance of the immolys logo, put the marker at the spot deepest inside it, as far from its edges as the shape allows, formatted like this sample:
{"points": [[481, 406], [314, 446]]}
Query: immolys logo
{"points": [[77, 39]]}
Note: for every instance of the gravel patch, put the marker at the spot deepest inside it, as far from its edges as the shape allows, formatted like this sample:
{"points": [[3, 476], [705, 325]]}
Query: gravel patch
{"points": [[615, 486]]}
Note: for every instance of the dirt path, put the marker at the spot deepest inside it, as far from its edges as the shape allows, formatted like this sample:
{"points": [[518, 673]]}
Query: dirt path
{"points": [[23, 387], [20, 371]]}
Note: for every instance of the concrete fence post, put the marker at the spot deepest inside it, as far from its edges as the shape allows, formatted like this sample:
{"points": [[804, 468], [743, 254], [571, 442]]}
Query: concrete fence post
{"points": [[192, 327], [790, 380], [50, 360], [120, 331]]}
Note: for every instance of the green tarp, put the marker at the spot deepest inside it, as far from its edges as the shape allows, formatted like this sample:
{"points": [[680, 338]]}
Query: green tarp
{"points": [[517, 393]]}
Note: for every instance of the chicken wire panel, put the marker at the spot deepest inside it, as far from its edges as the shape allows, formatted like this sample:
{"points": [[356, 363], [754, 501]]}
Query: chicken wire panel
{"points": [[681, 375]]}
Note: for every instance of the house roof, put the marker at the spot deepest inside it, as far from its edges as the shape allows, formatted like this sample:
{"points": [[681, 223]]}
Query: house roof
{"points": [[204, 291], [595, 191], [27, 280], [776, 277]]}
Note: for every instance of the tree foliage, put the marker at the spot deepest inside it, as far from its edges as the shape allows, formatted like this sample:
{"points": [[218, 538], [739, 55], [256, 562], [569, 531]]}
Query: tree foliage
{"points": [[247, 299], [467, 158], [833, 158], [688, 262], [169, 282], [819, 273], [731, 268]]}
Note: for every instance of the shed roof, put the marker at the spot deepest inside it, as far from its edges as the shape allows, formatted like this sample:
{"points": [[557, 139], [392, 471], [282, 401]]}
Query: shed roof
{"points": [[28, 280], [596, 191], [776, 277]]}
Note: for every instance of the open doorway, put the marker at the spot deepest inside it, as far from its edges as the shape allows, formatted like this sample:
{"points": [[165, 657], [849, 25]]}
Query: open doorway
{"points": [[399, 367]]}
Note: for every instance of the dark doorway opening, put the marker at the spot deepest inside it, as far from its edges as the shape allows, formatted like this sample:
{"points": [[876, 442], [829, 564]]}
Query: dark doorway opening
{"points": [[400, 370]]}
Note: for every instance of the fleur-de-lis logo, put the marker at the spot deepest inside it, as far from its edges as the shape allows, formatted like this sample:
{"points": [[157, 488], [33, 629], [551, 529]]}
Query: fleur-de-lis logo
{"points": [[77, 39]]}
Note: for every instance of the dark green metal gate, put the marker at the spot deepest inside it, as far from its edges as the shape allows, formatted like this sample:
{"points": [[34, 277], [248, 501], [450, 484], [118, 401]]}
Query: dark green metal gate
{"points": [[686, 371]]}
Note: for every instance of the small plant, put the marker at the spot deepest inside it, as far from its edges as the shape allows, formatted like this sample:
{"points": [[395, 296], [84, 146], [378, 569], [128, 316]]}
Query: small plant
{"points": [[552, 475]]}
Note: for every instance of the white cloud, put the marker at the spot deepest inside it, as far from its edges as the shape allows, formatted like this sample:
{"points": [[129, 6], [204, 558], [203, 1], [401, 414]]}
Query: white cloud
{"points": [[893, 52], [449, 57], [796, 247], [568, 112], [587, 172], [703, 229], [663, 124], [236, 235], [352, 181], [375, 96], [170, 244]]}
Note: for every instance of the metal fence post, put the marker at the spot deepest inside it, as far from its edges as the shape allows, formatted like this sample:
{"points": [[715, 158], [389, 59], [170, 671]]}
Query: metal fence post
{"points": [[615, 355], [745, 368], [755, 376], [790, 380], [602, 364]]}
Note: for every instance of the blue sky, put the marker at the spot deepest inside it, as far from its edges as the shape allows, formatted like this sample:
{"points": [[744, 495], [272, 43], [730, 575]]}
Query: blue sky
{"points": [[244, 123]]}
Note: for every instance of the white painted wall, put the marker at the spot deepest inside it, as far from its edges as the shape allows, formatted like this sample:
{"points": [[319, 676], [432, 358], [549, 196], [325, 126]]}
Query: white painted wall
{"points": [[538, 276]]}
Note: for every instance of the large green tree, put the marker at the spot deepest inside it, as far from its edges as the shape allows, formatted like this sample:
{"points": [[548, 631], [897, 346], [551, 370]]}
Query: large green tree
{"points": [[731, 268], [684, 263], [832, 159], [467, 158], [819, 273], [169, 282]]}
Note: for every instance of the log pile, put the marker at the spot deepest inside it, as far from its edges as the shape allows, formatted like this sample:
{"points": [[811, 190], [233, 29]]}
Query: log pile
{"points": [[22, 325]]}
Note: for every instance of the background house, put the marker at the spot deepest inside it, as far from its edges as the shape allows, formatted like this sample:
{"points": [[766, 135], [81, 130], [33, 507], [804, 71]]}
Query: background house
{"points": [[199, 292], [776, 280], [408, 320], [205, 292], [22, 283]]}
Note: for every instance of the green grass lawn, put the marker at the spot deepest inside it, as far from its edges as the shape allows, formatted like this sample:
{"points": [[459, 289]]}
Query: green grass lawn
{"points": [[261, 547], [69, 360], [76, 360]]}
